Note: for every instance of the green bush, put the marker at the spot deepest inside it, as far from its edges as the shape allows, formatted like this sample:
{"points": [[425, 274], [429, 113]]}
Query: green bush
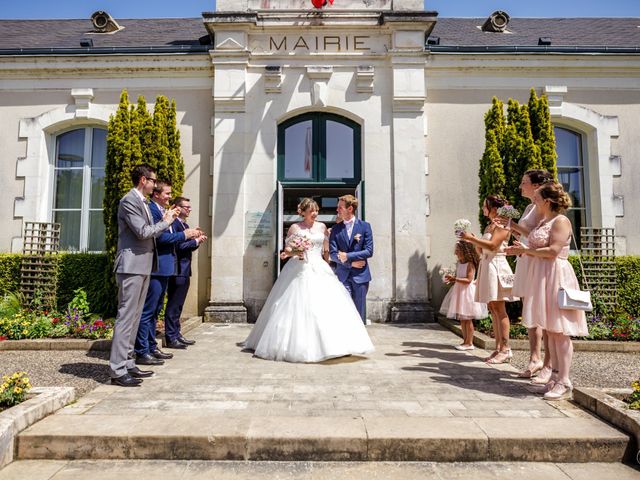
{"points": [[628, 284], [86, 271], [76, 270], [9, 273]]}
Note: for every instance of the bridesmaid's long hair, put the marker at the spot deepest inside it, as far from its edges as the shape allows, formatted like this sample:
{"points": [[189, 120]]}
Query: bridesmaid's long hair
{"points": [[469, 253]]}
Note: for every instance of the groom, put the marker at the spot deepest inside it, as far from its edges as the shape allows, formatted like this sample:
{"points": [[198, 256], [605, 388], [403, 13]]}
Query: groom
{"points": [[350, 245]]}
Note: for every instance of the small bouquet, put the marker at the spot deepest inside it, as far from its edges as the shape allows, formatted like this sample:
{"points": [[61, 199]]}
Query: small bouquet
{"points": [[446, 272], [297, 244], [461, 225], [508, 211]]}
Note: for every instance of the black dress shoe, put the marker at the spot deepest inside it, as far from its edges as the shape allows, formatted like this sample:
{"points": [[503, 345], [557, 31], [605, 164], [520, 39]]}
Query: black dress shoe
{"points": [[185, 341], [148, 359], [135, 372], [126, 380], [176, 344], [161, 355]]}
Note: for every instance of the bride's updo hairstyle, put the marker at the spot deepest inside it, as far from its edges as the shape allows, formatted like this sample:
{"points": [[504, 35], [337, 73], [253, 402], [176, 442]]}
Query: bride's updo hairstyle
{"points": [[306, 204], [559, 200]]}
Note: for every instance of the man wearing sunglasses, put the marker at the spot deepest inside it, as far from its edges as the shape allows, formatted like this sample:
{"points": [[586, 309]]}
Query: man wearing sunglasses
{"points": [[136, 257]]}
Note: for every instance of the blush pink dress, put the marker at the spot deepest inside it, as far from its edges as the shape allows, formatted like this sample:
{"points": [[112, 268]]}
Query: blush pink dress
{"points": [[529, 220], [546, 276], [493, 275], [459, 303]]}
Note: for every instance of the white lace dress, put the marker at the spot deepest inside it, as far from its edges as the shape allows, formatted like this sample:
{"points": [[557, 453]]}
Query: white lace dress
{"points": [[309, 315]]}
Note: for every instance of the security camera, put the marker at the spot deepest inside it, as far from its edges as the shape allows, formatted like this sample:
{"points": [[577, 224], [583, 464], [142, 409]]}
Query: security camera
{"points": [[104, 23]]}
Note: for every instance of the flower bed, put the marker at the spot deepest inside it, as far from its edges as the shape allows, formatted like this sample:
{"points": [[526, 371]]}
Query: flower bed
{"points": [[14, 389], [19, 321]]}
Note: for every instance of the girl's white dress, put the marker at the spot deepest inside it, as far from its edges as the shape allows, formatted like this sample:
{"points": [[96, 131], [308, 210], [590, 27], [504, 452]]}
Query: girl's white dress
{"points": [[309, 315], [459, 303]]}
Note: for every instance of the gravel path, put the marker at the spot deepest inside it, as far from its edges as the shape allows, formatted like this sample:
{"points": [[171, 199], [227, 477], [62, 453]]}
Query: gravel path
{"points": [[596, 369], [69, 368], [86, 370]]}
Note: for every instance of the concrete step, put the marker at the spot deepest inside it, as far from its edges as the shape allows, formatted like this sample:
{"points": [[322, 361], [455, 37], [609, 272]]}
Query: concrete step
{"points": [[136, 469], [155, 435]]}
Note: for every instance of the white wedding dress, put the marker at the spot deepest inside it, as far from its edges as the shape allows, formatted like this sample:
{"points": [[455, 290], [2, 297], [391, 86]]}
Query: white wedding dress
{"points": [[308, 316]]}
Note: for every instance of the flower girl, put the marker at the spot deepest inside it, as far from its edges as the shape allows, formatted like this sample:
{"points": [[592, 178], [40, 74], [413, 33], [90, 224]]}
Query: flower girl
{"points": [[459, 303]]}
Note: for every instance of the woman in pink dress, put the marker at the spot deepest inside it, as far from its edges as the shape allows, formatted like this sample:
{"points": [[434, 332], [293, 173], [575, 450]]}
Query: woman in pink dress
{"points": [[459, 303], [530, 182], [549, 270], [495, 277]]}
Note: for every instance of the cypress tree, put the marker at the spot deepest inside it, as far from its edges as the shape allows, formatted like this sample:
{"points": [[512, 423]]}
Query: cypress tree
{"points": [[144, 133], [492, 175], [161, 140], [135, 136], [175, 154], [117, 182], [543, 134]]}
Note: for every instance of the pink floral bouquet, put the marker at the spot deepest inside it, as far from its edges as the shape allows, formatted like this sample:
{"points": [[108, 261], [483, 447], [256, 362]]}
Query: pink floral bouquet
{"points": [[297, 244], [446, 272]]}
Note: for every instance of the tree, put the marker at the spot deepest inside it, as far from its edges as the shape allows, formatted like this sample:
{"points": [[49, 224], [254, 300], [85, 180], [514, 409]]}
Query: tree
{"points": [[175, 154], [134, 136], [492, 178], [542, 131]]}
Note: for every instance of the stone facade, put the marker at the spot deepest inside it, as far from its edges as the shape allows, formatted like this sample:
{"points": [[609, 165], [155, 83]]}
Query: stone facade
{"points": [[420, 112]]}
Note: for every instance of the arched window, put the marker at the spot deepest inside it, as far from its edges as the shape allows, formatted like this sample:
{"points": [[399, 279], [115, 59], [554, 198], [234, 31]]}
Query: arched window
{"points": [[319, 148], [79, 161], [571, 174]]}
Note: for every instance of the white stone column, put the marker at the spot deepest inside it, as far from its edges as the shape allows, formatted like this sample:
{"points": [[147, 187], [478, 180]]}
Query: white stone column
{"points": [[228, 127], [409, 195]]}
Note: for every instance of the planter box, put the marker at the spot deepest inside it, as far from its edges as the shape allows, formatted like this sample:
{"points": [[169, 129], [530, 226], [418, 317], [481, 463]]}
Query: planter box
{"points": [[608, 405], [486, 342], [14, 420]]}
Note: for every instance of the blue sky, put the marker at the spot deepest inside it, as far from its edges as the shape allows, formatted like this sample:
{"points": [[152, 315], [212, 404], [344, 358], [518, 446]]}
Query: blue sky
{"points": [[193, 8]]}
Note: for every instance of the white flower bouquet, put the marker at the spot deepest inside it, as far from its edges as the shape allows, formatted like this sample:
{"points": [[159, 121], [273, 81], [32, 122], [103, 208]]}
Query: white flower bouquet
{"points": [[446, 272], [508, 211], [460, 226]]}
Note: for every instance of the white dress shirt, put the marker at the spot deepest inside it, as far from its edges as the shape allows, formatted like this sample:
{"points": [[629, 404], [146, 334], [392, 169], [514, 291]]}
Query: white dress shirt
{"points": [[349, 226]]}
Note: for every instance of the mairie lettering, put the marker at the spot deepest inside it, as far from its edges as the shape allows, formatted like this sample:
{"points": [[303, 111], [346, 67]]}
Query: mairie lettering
{"points": [[328, 43]]}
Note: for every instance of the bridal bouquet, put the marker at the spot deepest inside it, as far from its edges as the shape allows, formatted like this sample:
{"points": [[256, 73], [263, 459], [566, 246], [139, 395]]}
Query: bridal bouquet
{"points": [[461, 225], [508, 211], [445, 272], [297, 244]]}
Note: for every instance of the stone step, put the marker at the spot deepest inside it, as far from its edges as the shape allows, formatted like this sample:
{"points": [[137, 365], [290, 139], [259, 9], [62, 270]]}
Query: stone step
{"points": [[154, 435], [229, 470]]}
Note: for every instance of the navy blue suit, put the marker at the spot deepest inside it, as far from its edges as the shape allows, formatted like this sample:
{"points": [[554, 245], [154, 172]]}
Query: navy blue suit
{"points": [[358, 247], [167, 266], [178, 284]]}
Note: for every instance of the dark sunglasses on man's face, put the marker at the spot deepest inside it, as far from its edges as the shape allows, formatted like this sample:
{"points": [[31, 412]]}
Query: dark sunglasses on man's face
{"points": [[154, 180]]}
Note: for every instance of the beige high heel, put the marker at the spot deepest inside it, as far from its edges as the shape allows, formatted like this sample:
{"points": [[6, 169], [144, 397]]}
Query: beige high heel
{"points": [[559, 391], [502, 357], [532, 370]]}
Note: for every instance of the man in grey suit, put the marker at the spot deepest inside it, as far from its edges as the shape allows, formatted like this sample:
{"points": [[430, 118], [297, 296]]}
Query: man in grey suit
{"points": [[134, 262]]}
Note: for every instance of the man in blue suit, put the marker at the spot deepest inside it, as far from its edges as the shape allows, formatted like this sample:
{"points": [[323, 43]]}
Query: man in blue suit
{"points": [[146, 347], [350, 246], [179, 283]]}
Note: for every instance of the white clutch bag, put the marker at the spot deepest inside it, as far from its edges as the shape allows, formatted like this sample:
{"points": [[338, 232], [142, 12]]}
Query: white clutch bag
{"points": [[569, 299]]}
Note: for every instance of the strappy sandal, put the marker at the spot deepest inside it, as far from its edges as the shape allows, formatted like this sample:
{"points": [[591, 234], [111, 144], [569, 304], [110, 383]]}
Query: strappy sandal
{"points": [[502, 357], [542, 378], [493, 354], [532, 370]]}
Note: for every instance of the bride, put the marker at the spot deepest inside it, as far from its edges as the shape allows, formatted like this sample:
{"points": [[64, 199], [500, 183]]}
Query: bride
{"points": [[309, 315]]}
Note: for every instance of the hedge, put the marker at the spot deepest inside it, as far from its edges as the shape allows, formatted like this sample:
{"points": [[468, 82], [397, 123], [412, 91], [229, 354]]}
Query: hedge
{"points": [[76, 270], [87, 270]]}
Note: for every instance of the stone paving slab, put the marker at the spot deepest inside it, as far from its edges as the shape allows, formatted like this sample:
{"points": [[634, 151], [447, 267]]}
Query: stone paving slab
{"points": [[200, 470], [414, 398]]}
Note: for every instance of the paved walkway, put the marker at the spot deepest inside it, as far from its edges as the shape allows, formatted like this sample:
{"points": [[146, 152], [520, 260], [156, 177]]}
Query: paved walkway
{"points": [[414, 399], [414, 372]]}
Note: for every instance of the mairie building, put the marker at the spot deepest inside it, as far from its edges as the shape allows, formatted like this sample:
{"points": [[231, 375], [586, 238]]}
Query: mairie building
{"points": [[278, 100]]}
